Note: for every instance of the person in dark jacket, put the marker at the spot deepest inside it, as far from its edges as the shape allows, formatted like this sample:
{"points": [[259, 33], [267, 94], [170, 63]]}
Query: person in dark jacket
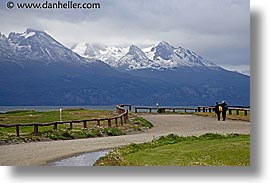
{"points": [[217, 111], [224, 109]]}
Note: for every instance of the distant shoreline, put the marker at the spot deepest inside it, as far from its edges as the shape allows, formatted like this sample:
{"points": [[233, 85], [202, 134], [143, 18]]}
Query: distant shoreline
{"points": [[52, 107], [48, 108]]}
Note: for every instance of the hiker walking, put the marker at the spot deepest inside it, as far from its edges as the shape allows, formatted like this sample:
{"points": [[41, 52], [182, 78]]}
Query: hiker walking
{"points": [[218, 110], [224, 109]]}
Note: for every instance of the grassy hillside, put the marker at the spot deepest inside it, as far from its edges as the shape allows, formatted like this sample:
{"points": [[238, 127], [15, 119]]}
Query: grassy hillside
{"points": [[172, 150]]}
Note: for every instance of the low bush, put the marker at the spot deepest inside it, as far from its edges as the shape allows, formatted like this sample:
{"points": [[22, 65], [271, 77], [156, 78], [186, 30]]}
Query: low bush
{"points": [[143, 122], [66, 134]]}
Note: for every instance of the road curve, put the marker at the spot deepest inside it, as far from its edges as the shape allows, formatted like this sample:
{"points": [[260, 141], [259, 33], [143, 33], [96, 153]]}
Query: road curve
{"points": [[41, 153]]}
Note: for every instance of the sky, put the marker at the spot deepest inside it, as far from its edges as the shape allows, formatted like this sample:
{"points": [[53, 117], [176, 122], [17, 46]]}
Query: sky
{"points": [[218, 30]]}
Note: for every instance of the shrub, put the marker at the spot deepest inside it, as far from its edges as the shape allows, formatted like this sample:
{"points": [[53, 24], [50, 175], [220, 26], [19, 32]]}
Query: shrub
{"points": [[112, 131], [160, 110], [143, 122]]}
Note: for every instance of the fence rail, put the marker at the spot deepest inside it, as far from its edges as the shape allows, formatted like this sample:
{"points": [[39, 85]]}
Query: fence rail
{"points": [[165, 109], [123, 117], [195, 109]]}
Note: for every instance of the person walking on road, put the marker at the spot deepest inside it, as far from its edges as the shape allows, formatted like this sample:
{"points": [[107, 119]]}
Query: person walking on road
{"points": [[218, 109], [224, 109]]}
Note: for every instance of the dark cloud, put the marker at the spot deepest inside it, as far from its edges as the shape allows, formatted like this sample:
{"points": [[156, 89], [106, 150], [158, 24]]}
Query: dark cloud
{"points": [[218, 30]]}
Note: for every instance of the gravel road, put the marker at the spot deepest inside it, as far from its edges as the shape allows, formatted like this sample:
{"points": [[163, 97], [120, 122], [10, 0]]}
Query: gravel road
{"points": [[41, 153]]}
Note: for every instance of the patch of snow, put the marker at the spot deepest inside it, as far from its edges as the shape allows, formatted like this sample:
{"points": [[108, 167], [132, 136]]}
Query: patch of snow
{"points": [[80, 49], [27, 34], [48, 52], [159, 56], [149, 53], [243, 69]]}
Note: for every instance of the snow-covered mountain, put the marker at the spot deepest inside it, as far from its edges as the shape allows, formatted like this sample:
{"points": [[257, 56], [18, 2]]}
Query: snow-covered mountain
{"points": [[35, 45], [167, 56], [158, 57], [135, 59], [109, 55], [35, 69]]}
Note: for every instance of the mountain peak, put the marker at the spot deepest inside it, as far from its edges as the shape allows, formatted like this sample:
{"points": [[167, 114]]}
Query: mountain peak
{"points": [[27, 34], [135, 51], [164, 50], [37, 45], [164, 43], [29, 30], [2, 36], [134, 48], [161, 56], [134, 59]]}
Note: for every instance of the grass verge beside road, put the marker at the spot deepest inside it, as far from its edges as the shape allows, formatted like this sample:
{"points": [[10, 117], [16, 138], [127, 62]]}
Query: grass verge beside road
{"points": [[173, 150]]}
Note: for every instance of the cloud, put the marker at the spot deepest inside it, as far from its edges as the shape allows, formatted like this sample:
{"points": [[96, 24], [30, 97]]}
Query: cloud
{"points": [[218, 30]]}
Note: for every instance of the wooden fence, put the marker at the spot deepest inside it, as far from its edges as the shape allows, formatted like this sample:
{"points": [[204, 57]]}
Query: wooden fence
{"points": [[126, 105], [238, 109], [122, 118], [165, 109], [195, 109]]}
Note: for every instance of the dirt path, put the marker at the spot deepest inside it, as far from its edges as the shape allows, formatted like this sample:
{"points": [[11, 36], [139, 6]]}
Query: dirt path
{"points": [[41, 153]]}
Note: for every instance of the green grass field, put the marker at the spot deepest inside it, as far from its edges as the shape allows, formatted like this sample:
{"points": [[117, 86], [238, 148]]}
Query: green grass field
{"points": [[8, 135], [31, 116], [172, 150]]}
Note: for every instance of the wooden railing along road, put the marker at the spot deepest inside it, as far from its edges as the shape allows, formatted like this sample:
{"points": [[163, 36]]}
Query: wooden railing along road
{"points": [[245, 109], [123, 117], [194, 109]]}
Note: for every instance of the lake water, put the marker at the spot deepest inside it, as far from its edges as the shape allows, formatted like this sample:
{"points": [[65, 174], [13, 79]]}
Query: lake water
{"points": [[85, 159], [51, 108]]}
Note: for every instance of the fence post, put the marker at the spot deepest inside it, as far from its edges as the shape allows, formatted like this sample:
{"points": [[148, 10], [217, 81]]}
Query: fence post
{"points": [[109, 123], [35, 129], [237, 111], [98, 122], [125, 119], [230, 111], [55, 126], [84, 124], [245, 112], [209, 109], [71, 125], [116, 122], [121, 121], [127, 115], [135, 110], [199, 109], [17, 130]]}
